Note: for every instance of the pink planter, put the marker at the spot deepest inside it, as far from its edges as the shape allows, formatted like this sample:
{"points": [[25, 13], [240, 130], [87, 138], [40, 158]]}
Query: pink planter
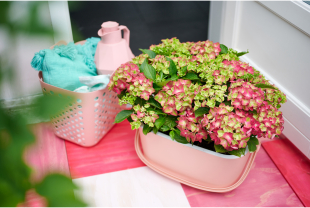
{"points": [[192, 165]]}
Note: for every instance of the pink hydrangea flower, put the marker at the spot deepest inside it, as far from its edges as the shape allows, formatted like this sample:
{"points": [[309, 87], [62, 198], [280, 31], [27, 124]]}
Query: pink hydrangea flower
{"points": [[128, 77]]}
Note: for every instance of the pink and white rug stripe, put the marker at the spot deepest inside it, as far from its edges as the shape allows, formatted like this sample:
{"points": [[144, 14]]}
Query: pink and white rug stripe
{"points": [[111, 174]]}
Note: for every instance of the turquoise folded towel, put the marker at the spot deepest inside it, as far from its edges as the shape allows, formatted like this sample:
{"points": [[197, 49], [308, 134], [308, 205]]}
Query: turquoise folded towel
{"points": [[63, 65], [93, 83]]}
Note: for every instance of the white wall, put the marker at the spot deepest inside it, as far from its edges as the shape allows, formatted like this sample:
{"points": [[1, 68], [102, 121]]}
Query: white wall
{"points": [[279, 43], [26, 79], [54, 15]]}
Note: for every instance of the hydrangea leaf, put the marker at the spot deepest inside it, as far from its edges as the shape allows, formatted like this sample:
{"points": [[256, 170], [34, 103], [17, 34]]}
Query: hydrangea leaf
{"points": [[156, 86], [171, 121], [238, 152], [151, 54], [129, 119], [172, 68], [172, 134], [219, 148], [160, 121], [146, 129], [157, 111], [261, 85], [227, 103], [191, 76], [123, 93], [242, 53], [161, 84], [164, 128], [253, 141], [224, 49], [201, 111], [148, 70], [179, 138], [253, 112], [184, 69], [155, 130], [140, 101], [173, 78], [154, 103], [143, 65], [121, 116]]}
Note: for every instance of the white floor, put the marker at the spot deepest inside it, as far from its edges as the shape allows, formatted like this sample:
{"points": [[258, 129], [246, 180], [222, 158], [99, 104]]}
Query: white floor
{"points": [[138, 187]]}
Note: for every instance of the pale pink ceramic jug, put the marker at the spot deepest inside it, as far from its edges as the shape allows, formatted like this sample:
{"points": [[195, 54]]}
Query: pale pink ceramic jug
{"points": [[112, 50]]}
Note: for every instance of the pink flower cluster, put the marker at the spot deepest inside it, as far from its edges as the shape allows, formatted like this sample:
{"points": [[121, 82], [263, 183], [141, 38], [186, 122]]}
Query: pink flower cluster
{"points": [[227, 128], [191, 127], [244, 95], [270, 121], [176, 96], [240, 68], [128, 77], [206, 47]]}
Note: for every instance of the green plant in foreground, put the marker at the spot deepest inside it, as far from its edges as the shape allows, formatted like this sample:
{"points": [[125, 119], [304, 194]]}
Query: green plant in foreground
{"points": [[15, 134]]}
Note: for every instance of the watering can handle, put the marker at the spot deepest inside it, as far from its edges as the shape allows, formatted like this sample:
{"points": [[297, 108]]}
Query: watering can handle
{"points": [[126, 32]]}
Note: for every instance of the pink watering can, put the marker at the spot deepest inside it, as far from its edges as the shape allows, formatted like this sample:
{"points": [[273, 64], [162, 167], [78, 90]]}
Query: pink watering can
{"points": [[112, 50]]}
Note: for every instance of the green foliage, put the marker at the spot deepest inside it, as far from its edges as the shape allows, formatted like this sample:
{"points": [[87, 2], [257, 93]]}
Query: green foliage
{"points": [[253, 141], [171, 121], [55, 188], [123, 93], [160, 121], [238, 152], [201, 111], [140, 101], [184, 70], [121, 116], [219, 148], [15, 135], [164, 128], [191, 76], [154, 103], [148, 70], [157, 111], [177, 137], [155, 130], [224, 49], [261, 85], [151, 54], [146, 129], [156, 86], [172, 68], [242, 53]]}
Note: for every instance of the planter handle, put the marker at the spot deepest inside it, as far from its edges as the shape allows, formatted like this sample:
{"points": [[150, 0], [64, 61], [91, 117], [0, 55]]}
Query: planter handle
{"points": [[169, 175]]}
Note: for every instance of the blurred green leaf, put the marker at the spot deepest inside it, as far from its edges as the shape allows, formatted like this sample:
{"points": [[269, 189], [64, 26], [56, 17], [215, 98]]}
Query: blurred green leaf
{"points": [[172, 68], [160, 121], [146, 129], [151, 54], [261, 85], [219, 148], [121, 116], [224, 49], [201, 111], [59, 191], [154, 103], [191, 76]]}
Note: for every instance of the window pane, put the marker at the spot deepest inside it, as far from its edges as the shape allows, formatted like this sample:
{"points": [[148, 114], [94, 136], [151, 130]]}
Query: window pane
{"points": [[148, 22]]}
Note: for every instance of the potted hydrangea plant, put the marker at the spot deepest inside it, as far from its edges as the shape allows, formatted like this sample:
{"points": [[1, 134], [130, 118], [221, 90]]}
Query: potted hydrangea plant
{"points": [[199, 94]]}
